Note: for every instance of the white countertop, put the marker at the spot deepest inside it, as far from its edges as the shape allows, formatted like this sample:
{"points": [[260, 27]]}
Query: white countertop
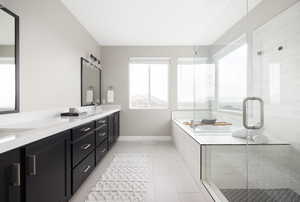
{"points": [[221, 138], [35, 130]]}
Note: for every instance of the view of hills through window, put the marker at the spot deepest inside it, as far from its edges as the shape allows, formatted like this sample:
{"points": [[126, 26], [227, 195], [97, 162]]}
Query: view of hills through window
{"points": [[149, 84]]}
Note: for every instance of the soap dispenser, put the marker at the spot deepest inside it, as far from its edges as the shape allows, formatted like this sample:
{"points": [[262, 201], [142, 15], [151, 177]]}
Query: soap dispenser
{"points": [[110, 95]]}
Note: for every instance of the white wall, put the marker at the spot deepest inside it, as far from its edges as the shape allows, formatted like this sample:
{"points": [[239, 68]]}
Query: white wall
{"points": [[141, 122], [51, 44]]}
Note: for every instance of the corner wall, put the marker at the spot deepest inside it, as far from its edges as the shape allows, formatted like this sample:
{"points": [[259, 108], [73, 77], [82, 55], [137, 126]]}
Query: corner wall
{"points": [[51, 44]]}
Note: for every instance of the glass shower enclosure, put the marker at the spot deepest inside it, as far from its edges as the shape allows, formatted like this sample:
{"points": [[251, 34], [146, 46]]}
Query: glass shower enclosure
{"points": [[259, 56]]}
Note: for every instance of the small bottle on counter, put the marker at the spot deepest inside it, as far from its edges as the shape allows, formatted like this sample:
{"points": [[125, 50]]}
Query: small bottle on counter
{"points": [[110, 95]]}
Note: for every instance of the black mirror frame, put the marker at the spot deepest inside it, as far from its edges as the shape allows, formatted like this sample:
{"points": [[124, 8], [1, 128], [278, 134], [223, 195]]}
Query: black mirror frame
{"points": [[82, 60], [17, 62]]}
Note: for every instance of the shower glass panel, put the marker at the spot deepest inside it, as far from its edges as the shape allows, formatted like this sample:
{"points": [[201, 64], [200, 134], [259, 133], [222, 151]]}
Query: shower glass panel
{"points": [[224, 169], [224, 158], [274, 167], [204, 101]]}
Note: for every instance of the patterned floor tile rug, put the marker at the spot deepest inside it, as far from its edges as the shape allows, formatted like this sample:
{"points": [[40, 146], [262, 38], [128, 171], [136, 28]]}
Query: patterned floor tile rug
{"points": [[127, 179]]}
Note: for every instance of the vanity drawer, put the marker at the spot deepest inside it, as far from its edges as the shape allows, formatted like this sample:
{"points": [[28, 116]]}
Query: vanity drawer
{"points": [[101, 151], [101, 122], [82, 130], [82, 171], [81, 148], [101, 134]]}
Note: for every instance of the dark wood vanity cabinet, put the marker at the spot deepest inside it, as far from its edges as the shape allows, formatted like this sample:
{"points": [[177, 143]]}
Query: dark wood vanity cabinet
{"points": [[102, 138], [52, 169], [83, 153], [48, 169], [101, 150], [116, 125], [82, 147], [82, 171], [101, 131], [113, 128], [90, 143], [111, 138], [11, 176]]}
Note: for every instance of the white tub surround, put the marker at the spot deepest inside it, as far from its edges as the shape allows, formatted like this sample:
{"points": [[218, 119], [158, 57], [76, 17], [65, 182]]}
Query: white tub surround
{"points": [[204, 153], [17, 130], [220, 138], [189, 149]]}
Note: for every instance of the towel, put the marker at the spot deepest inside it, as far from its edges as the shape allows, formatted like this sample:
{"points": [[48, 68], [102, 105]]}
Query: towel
{"points": [[255, 135], [260, 139], [240, 133]]}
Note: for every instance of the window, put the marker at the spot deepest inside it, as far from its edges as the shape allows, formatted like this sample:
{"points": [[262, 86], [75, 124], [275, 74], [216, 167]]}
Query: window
{"points": [[195, 83], [232, 79], [148, 83]]}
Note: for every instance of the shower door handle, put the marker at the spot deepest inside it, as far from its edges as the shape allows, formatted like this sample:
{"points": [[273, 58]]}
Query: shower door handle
{"points": [[245, 122]]}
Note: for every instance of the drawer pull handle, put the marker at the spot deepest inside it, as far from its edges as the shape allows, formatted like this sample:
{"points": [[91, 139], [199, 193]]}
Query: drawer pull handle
{"points": [[87, 169], [104, 150], [16, 174], [85, 129], [102, 126], [31, 169], [102, 134], [86, 146], [102, 121]]}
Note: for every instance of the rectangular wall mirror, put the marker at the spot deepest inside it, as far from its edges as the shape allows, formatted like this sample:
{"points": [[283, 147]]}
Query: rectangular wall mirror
{"points": [[9, 61], [90, 83]]}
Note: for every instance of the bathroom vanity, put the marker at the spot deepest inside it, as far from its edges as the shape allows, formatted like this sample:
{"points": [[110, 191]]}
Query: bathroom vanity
{"points": [[50, 163]]}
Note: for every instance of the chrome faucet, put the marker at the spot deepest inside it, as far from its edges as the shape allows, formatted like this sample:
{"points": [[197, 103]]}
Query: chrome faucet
{"points": [[95, 106]]}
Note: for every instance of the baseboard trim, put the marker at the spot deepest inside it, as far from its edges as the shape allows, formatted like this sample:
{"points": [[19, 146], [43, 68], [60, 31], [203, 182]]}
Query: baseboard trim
{"points": [[145, 138]]}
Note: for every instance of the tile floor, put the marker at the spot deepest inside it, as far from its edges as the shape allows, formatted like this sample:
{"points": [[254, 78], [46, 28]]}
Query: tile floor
{"points": [[170, 177]]}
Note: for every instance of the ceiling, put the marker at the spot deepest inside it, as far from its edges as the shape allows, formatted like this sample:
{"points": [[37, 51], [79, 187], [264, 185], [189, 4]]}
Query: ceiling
{"points": [[158, 22]]}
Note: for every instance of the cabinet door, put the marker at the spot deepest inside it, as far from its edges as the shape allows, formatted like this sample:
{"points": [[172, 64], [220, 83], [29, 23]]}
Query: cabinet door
{"points": [[48, 169], [111, 138], [10, 176], [101, 150], [116, 125]]}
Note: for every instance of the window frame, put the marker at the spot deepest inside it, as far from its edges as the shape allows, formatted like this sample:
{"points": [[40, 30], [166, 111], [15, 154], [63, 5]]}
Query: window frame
{"points": [[148, 61]]}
